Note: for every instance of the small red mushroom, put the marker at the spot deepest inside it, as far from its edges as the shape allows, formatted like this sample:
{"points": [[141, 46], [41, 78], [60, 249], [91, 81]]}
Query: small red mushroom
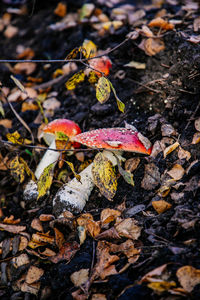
{"points": [[68, 127], [102, 64], [115, 138]]}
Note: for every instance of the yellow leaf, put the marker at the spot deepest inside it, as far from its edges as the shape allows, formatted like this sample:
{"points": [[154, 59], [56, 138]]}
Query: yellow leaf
{"points": [[17, 170], [169, 149], [73, 54], [104, 176], [15, 138], [75, 80], [161, 206], [188, 277], [103, 90], [92, 77], [78, 177], [161, 286], [45, 180], [90, 48], [27, 169], [120, 104]]}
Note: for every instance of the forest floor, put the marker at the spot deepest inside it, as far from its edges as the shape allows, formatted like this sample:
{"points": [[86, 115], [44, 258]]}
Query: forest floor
{"points": [[145, 243]]}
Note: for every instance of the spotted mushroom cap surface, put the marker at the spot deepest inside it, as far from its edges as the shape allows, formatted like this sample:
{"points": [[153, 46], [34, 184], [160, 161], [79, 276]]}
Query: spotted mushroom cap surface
{"points": [[115, 138]]}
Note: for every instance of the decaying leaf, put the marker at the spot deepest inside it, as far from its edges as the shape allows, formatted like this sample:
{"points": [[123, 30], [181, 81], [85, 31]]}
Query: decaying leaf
{"points": [[67, 251], [17, 169], [45, 180], [108, 215], [197, 124], [127, 175], [104, 176], [131, 164], [188, 277], [90, 47], [155, 274], [136, 65], [196, 138], [80, 277], [86, 221], [170, 148], [161, 23], [34, 273], [128, 228], [176, 172], [12, 228], [151, 177], [161, 206], [77, 176], [20, 260], [77, 78], [16, 138], [61, 9], [92, 77], [103, 89], [161, 285], [183, 154], [120, 104], [152, 46]]}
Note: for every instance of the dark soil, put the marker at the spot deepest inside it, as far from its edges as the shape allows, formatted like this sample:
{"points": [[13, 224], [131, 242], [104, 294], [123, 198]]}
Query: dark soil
{"points": [[173, 93]]}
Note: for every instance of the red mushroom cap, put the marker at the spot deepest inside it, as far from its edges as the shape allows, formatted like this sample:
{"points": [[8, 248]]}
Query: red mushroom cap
{"points": [[115, 138], [68, 127], [103, 64]]}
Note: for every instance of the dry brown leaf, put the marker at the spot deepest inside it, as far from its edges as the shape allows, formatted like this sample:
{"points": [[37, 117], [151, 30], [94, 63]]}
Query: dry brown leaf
{"points": [[128, 228], [188, 277], [12, 228], [161, 206], [151, 177], [20, 260], [161, 23], [29, 105], [30, 288], [108, 215], [152, 46], [26, 53], [51, 104], [154, 274], [27, 68], [197, 124], [132, 164], [11, 220], [169, 149], [176, 172], [67, 251], [42, 238], [183, 154], [23, 243], [11, 31], [79, 295], [59, 238], [98, 297], [36, 224], [196, 24], [195, 39], [6, 123], [80, 277], [196, 138], [128, 249], [146, 31], [34, 273], [168, 130], [47, 252], [46, 218], [61, 10]]}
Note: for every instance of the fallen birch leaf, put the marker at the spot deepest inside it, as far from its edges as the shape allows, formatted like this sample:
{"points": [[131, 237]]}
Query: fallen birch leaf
{"points": [[161, 286], [90, 47], [128, 228], [17, 170], [183, 154], [45, 180], [161, 23], [170, 148], [34, 273], [103, 90], [176, 172], [104, 176], [196, 138], [161, 206], [188, 277], [67, 251], [120, 104], [152, 46], [109, 215], [16, 138], [42, 238], [151, 177], [80, 277]]}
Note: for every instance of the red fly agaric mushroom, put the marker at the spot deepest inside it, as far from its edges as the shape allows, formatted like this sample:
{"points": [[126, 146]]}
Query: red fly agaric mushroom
{"points": [[102, 64], [65, 126], [73, 195]]}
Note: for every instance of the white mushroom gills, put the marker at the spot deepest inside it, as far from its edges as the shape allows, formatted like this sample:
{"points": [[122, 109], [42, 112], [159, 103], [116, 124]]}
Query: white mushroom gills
{"points": [[73, 195]]}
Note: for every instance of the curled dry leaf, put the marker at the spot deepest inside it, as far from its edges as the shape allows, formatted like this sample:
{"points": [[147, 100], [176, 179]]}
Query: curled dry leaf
{"points": [[154, 274], [176, 172], [80, 277], [188, 277], [161, 206], [152, 46], [36, 224], [151, 177], [161, 23], [169, 149], [108, 215], [67, 251], [20, 260], [12, 228], [128, 228], [34, 273], [183, 154], [196, 138], [27, 68]]}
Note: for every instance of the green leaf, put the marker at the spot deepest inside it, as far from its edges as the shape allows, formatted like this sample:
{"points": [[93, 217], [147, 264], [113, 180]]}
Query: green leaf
{"points": [[103, 89], [104, 176], [120, 104], [45, 180]]}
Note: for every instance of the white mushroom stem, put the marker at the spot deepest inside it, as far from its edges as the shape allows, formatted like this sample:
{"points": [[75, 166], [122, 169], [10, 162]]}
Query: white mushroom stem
{"points": [[48, 158], [74, 194]]}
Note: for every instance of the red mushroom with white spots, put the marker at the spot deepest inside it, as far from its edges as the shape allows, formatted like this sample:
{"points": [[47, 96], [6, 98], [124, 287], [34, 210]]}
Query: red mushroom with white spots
{"points": [[73, 195]]}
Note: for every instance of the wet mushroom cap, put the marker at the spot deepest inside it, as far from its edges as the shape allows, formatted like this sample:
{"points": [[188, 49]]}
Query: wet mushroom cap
{"points": [[68, 127], [115, 138]]}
